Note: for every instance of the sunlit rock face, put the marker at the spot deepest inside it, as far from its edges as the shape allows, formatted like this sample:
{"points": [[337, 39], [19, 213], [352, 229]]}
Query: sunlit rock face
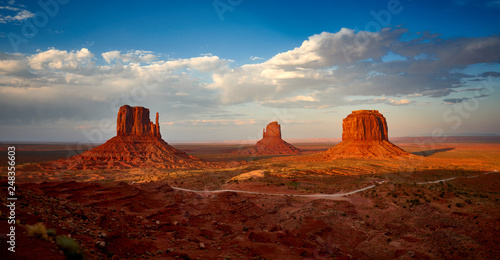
{"points": [[365, 135]]}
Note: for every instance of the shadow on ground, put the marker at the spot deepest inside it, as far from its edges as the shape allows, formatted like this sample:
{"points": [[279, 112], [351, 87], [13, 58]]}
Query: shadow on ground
{"points": [[431, 152]]}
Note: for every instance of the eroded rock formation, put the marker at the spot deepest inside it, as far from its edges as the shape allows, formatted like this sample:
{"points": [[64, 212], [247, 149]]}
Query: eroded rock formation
{"points": [[364, 125], [365, 135], [135, 121], [137, 143], [271, 143]]}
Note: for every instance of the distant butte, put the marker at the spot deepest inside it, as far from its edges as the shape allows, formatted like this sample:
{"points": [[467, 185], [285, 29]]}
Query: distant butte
{"points": [[365, 135], [271, 143], [137, 143]]}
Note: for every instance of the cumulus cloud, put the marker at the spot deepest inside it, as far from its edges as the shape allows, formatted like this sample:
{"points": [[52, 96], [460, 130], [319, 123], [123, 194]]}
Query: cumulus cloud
{"points": [[137, 56], [12, 63], [202, 64], [57, 59], [68, 84], [350, 63], [327, 70]]}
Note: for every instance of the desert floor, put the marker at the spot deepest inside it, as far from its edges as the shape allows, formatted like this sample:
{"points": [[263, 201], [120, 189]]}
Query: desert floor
{"points": [[441, 203]]}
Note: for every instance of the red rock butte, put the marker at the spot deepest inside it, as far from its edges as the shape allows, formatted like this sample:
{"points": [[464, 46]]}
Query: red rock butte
{"points": [[365, 135], [271, 143], [135, 121], [137, 143]]}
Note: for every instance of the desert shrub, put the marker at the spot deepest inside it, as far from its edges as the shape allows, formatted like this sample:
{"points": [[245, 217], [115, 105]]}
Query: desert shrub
{"points": [[51, 232], [70, 247], [38, 230]]}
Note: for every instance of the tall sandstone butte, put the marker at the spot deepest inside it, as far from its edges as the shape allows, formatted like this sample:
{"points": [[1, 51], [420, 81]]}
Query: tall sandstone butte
{"points": [[137, 143], [271, 142], [135, 121], [365, 135], [364, 125]]}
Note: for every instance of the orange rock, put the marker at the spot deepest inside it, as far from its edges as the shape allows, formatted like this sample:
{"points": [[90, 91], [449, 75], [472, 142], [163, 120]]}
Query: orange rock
{"points": [[135, 121], [365, 135], [273, 130], [271, 143], [364, 125], [137, 143]]}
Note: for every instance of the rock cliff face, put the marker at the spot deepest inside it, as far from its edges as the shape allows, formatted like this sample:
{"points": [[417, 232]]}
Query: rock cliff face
{"points": [[273, 130], [365, 135], [135, 121], [137, 143], [271, 143], [365, 125]]}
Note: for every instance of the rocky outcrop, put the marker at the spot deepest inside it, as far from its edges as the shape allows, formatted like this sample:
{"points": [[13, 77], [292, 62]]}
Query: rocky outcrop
{"points": [[271, 143], [365, 135], [364, 125], [273, 130], [137, 143], [135, 121]]}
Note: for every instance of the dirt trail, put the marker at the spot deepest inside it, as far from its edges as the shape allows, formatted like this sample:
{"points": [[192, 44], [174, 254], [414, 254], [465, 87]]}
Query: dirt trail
{"points": [[322, 196], [452, 178]]}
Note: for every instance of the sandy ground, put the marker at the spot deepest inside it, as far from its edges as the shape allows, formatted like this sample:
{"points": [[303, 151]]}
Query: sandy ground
{"points": [[444, 204]]}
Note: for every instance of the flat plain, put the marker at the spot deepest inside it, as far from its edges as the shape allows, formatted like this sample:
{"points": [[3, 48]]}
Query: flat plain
{"points": [[441, 203]]}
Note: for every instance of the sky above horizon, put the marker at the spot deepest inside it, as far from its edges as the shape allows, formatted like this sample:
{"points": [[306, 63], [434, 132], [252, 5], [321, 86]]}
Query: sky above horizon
{"points": [[224, 69]]}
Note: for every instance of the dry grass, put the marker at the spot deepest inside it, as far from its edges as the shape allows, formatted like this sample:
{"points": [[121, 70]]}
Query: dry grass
{"points": [[38, 230]]}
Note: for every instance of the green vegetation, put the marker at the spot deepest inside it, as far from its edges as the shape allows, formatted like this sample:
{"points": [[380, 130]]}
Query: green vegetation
{"points": [[70, 248]]}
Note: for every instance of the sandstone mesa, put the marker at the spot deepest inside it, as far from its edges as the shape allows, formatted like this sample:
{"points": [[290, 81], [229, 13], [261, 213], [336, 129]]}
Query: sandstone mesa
{"points": [[365, 135]]}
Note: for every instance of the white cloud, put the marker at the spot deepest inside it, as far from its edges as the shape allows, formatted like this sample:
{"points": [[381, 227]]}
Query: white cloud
{"points": [[327, 49], [328, 70], [255, 58], [401, 102], [137, 56], [349, 63], [203, 64], [12, 64], [57, 59], [18, 16], [57, 84], [291, 99]]}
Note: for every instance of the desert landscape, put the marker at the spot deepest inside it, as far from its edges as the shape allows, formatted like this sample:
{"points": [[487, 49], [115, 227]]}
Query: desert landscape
{"points": [[137, 197], [238, 129]]}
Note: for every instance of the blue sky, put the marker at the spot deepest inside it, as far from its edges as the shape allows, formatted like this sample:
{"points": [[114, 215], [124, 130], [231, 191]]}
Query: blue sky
{"points": [[221, 70]]}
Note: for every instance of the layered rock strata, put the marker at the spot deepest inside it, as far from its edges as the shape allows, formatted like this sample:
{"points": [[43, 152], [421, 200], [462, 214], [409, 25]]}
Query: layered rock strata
{"points": [[365, 135]]}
